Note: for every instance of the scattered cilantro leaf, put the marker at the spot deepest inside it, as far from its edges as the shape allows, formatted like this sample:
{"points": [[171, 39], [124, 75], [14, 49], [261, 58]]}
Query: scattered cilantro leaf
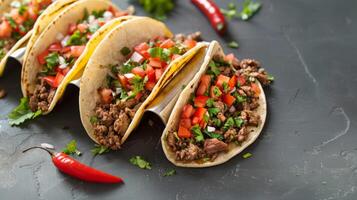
{"points": [[249, 9], [247, 155], [170, 172], [233, 45], [71, 148], [209, 102], [238, 122], [158, 8], [228, 124], [93, 119], [140, 162], [270, 77], [213, 69], [127, 67], [213, 111], [198, 134], [22, 113], [214, 135], [99, 149], [52, 60]]}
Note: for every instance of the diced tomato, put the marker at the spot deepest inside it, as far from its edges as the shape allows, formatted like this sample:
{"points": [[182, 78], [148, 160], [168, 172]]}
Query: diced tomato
{"points": [[184, 132], [228, 99], [232, 82], [200, 101], [230, 58], [5, 29], [55, 47], [150, 73], [222, 79], [175, 56], [123, 81], [142, 47], [215, 92], [45, 3], [65, 71], [187, 111], [71, 28], [82, 28], [59, 78], [190, 43], [241, 80], [150, 85], [101, 23], [77, 51], [65, 49], [19, 19], [256, 89], [155, 62], [204, 84], [138, 96], [106, 95], [167, 44], [198, 115], [42, 57], [33, 12], [138, 71], [50, 80], [203, 124], [185, 123], [158, 74]]}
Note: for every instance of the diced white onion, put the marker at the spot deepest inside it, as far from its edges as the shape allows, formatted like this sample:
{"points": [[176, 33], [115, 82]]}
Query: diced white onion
{"points": [[232, 109], [136, 57], [233, 90], [64, 41], [107, 15], [118, 90], [91, 19], [59, 36], [47, 146], [62, 61], [211, 128], [129, 75]]}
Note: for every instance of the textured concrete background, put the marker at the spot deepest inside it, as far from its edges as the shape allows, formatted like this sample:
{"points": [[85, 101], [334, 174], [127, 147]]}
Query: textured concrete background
{"points": [[306, 151]]}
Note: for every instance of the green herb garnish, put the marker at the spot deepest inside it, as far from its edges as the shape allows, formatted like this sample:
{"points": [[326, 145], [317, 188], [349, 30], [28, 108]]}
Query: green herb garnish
{"points": [[214, 135], [157, 8], [170, 172], [71, 148], [125, 51], [228, 124], [197, 132], [22, 113], [247, 155], [93, 119], [140, 162], [233, 44], [249, 9], [99, 149]]}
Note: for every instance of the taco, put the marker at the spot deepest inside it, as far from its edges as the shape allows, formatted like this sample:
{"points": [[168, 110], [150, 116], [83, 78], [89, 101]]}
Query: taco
{"points": [[63, 49], [219, 113], [124, 75], [22, 19]]}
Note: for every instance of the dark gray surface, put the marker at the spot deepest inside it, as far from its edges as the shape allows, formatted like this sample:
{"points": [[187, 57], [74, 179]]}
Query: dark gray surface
{"points": [[306, 151]]}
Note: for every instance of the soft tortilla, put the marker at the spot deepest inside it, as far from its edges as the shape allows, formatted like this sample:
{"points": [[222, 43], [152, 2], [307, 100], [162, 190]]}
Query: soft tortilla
{"points": [[173, 122], [41, 23], [128, 34], [60, 24]]}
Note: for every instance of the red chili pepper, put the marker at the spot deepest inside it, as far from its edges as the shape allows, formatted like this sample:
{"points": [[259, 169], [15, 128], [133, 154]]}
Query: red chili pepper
{"points": [[74, 168], [213, 13]]}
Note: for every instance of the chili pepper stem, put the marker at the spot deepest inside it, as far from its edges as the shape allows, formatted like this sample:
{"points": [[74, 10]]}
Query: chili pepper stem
{"points": [[49, 152]]}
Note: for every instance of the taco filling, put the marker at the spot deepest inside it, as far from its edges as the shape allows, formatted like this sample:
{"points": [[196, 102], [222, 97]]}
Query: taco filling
{"points": [[129, 84], [220, 110], [19, 21], [58, 59]]}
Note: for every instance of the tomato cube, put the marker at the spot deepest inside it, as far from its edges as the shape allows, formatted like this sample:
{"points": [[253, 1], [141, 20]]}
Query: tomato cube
{"points": [[184, 132], [187, 111], [228, 99], [200, 101]]}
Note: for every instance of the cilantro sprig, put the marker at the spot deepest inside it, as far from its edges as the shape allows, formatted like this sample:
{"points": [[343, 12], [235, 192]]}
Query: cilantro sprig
{"points": [[71, 148], [249, 8], [158, 8], [140, 162], [99, 150], [22, 113]]}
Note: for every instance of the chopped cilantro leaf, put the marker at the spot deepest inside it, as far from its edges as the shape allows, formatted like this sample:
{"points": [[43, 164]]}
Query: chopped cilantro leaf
{"points": [[233, 44], [247, 155], [157, 8], [228, 124], [197, 132], [99, 149], [140, 162], [71, 148], [213, 70], [209, 102], [225, 87], [214, 135], [213, 111], [127, 67], [52, 60], [22, 113], [216, 122], [238, 122], [249, 9], [93, 119], [270, 77], [170, 172]]}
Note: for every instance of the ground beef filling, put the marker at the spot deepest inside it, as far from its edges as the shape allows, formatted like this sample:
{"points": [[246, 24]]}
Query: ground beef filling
{"points": [[188, 150], [112, 121], [5, 46], [42, 97]]}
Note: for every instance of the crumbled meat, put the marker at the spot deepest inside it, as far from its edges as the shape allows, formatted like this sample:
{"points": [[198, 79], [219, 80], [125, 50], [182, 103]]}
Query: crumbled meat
{"points": [[122, 123], [230, 135], [193, 152], [2, 93], [245, 63], [219, 105], [42, 97], [171, 140], [212, 146], [221, 117], [193, 36], [254, 120]]}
